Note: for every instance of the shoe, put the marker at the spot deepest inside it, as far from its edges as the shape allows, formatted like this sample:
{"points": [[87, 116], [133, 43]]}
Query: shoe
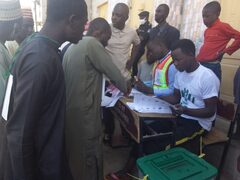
{"points": [[107, 139]]}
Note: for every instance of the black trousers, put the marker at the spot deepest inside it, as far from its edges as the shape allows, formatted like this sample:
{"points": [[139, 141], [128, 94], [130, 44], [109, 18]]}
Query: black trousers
{"points": [[108, 121], [186, 129]]}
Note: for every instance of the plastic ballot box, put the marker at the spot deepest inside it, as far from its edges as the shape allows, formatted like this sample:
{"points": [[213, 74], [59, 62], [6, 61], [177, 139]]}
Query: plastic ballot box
{"points": [[175, 164]]}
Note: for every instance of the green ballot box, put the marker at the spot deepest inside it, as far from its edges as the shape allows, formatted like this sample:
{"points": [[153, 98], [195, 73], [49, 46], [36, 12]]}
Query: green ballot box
{"points": [[175, 164]]}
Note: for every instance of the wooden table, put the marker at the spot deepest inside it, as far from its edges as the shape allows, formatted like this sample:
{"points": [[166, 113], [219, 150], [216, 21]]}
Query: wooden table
{"points": [[133, 122]]}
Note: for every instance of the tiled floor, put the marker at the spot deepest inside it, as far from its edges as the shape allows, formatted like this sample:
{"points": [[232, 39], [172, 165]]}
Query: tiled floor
{"points": [[114, 159]]}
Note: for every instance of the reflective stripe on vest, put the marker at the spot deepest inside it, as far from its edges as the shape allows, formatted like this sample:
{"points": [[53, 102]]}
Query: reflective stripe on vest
{"points": [[160, 73]]}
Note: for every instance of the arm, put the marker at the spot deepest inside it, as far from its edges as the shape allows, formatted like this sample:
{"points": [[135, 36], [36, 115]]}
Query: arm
{"points": [[209, 91], [101, 60], [135, 49], [140, 86], [208, 111], [134, 53], [232, 34], [172, 99], [175, 35]]}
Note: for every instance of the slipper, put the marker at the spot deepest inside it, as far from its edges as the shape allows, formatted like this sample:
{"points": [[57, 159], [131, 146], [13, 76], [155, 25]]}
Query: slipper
{"points": [[117, 176], [111, 176]]}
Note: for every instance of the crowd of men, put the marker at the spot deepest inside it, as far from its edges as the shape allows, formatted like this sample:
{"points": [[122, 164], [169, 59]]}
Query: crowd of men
{"points": [[51, 116]]}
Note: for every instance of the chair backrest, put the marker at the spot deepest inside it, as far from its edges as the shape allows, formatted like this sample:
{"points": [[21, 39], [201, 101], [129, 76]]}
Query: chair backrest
{"points": [[227, 111]]}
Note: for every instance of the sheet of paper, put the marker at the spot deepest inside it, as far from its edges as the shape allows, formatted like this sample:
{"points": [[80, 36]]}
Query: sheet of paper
{"points": [[115, 94], [7, 98], [149, 104], [134, 91]]}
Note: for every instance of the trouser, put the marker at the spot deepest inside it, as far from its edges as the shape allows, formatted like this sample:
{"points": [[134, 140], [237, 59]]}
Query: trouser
{"points": [[186, 129], [5, 163], [85, 157], [108, 121], [216, 68]]}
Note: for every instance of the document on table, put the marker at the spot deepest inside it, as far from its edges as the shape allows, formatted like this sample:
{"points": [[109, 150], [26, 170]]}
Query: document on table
{"points": [[149, 104]]}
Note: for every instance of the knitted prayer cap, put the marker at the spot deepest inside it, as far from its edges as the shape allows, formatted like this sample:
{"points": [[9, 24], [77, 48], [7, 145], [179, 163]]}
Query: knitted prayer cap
{"points": [[10, 10], [27, 13]]}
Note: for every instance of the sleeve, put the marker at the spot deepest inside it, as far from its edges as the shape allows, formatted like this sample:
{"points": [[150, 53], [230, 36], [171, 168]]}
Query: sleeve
{"points": [[175, 35], [231, 33], [176, 83], [136, 39], [139, 70], [152, 33], [30, 81], [171, 76], [2, 86], [101, 60], [210, 88]]}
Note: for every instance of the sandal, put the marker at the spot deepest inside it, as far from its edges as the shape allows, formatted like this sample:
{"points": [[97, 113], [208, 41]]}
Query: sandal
{"points": [[117, 176]]}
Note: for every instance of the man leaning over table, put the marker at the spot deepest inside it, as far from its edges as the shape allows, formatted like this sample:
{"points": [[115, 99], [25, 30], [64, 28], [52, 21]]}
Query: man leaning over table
{"points": [[160, 79], [124, 41]]}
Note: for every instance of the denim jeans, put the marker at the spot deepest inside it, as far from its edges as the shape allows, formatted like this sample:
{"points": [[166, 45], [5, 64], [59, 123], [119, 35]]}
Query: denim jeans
{"points": [[216, 68]]}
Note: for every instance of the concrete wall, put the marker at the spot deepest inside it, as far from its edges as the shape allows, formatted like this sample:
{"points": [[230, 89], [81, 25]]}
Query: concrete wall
{"points": [[186, 15]]}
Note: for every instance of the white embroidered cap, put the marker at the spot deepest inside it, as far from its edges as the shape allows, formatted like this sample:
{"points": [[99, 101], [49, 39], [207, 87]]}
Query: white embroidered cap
{"points": [[10, 10]]}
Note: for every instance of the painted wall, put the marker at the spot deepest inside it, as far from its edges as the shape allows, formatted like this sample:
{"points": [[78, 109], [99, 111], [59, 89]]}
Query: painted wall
{"points": [[186, 15], [230, 14]]}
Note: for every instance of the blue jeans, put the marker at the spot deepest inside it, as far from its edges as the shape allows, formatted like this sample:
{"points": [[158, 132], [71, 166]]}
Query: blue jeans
{"points": [[216, 68]]}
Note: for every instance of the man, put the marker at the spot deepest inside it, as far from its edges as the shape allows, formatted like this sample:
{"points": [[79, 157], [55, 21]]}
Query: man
{"points": [[195, 92], [163, 29], [163, 70], [10, 19], [35, 120], [144, 27], [121, 40], [123, 37], [194, 103], [143, 33], [84, 65], [216, 39], [24, 31]]}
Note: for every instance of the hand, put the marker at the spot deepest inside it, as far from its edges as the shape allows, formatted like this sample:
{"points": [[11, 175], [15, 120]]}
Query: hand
{"points": [[129, 87], [129, 65], [220, 55], [139, 84], [177, 109]]}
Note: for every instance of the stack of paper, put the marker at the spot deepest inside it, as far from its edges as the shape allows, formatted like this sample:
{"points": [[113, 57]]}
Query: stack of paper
{"points": [[149, 104]]}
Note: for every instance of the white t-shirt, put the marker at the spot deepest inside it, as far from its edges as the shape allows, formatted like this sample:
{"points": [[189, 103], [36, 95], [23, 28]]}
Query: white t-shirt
{"points": [[195, 87]]}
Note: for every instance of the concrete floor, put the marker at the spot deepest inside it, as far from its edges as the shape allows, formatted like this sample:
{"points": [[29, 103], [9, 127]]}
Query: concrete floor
{"points": [[114, 159]]}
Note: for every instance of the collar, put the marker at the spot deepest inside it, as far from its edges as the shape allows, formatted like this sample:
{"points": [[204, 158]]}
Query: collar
{"points": [[215, 23], [51, 41], [168, 54], [115, 30], [162, 25]]}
